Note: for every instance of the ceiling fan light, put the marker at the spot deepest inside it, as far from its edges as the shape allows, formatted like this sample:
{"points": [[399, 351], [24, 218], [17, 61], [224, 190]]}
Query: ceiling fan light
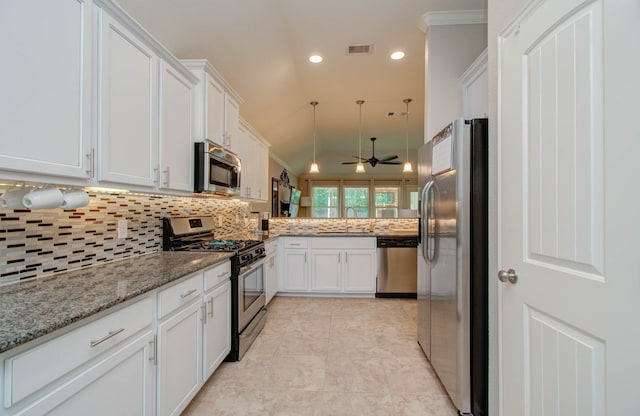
{"points": [[314, 168], [316, 59], [407, 167], [397, 55], [360, 168]]}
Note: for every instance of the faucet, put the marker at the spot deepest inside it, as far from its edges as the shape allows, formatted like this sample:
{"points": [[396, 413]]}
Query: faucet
{"points": [[346, 216]]}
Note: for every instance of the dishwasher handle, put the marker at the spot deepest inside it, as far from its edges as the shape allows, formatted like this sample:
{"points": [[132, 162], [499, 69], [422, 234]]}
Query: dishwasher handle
{"points": [[397, 242]]}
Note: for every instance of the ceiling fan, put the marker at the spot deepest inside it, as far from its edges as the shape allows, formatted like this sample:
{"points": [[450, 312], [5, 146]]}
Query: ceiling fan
{"points": [[373, 160]]}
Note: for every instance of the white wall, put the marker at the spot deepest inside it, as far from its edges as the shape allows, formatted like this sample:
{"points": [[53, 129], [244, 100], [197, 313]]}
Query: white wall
{"points": [[450, 50]]}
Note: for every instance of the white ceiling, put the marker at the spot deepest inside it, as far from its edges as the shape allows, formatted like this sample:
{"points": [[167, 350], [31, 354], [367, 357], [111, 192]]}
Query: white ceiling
{"points": [[261, 47]]}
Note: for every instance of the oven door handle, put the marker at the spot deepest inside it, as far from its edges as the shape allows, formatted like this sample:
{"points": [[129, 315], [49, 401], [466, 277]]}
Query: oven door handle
{"points": [[260, 261]]}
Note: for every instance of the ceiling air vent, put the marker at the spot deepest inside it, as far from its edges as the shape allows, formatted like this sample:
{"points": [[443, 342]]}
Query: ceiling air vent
{"points": [[359, 49]]}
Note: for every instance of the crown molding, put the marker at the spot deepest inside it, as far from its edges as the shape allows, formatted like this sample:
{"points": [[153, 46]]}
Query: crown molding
{"points": [[453, 17]]}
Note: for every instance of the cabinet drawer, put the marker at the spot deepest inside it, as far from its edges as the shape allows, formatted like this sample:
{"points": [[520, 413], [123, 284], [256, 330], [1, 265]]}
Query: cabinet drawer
{"points": [[30, 371], [343, 243], [294, 243], [178, 295], [216, 275]]}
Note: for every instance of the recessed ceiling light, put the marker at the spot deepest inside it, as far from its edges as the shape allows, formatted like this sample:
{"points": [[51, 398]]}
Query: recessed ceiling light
{"points": [[397, 55], [316, 59]]}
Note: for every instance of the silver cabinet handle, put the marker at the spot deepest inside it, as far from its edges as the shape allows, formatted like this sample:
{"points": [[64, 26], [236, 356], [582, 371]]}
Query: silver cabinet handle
{"points": [[203, 313], [111, 334], [294, 244], [223, 274], [153, 346], [156, 175], [92, 162], [211, 306], [166, 176], [339, 257], [509, 276], [188, 293], [305, 257]]}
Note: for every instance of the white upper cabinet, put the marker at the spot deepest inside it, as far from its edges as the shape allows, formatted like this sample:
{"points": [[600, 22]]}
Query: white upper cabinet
{"points": [[217, 106], [45, 111], [231, 121], [176, 142], [128, 85], [254, 154], [144, 108], [213, 128]]}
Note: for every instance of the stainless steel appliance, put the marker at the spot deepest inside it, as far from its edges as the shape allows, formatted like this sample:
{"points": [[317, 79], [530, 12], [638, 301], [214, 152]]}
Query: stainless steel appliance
{"points": [[248, 312], [217, 170], [397, 266], [453, 264]]}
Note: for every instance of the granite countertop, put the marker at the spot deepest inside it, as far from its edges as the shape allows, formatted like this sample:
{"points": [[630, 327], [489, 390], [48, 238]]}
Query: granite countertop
{"points": [[29, 310]]}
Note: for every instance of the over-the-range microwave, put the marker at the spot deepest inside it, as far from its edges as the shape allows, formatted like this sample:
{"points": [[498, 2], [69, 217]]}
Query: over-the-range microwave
{"points": [[217, 170]]}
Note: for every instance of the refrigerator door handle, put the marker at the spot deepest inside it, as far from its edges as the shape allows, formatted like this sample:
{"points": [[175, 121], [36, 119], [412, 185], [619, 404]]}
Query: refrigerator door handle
{"points": [[424, 223], [433, 248]]}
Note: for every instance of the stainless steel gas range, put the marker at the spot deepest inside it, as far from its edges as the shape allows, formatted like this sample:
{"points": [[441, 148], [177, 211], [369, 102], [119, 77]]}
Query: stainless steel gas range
{"points": [[248, 312]]}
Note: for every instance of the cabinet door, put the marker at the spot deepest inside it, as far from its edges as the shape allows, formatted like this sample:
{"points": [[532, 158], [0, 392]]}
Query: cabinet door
{"points": [[179, 355], [231, 121], [127, 142], [215, 111], [295, 270], [251, 162], [122, 383], [217, 328], [45, 110], [176, 148], [326, 270], [359, 271], [271, 277], [263, 179]]}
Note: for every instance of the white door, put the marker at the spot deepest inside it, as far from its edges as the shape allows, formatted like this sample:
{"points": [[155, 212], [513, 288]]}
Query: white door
{"points": [[568, 206]]}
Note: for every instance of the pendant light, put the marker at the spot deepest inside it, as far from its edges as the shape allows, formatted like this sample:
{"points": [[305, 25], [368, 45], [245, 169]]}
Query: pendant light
{"points": [[360, 166], [407, 165], [314, 165]]}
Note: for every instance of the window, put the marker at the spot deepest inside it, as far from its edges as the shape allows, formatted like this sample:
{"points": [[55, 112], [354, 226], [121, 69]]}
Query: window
{"points": [[386, 201], [356, 197], [324, 201]]}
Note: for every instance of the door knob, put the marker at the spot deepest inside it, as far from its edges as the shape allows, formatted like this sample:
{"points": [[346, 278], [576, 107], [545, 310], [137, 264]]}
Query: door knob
{"points": [[508, 276]]}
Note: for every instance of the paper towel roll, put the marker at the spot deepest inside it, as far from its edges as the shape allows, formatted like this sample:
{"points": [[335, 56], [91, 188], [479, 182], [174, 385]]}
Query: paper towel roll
{"points": [[75, 199], [43, 198], [12, 198]]}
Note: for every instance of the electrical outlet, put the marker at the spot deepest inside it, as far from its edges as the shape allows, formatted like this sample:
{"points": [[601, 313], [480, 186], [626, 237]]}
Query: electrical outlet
{"points": [[122, 229]]}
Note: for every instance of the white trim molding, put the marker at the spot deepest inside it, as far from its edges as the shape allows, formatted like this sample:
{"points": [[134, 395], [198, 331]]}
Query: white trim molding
{"points": [[453, 17]]}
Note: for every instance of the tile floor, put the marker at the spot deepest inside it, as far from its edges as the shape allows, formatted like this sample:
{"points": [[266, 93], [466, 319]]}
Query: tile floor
{"points": [[329, 357]]}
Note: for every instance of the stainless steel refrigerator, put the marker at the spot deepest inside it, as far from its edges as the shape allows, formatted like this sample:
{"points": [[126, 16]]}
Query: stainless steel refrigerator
{"points": [[453, 261]]}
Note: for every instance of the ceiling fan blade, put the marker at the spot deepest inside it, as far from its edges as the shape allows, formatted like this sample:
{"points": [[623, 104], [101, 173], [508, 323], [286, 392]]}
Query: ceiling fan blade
{"points": [[387, 158], [361, 158], [390, 163], [350, 163]]}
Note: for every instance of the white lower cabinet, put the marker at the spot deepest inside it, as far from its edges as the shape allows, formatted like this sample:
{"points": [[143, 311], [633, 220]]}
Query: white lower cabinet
{"points": [[126, 362], [179, 355], [271, 270], [82, 371], [121, 384], [338, 265], [217, 327]]}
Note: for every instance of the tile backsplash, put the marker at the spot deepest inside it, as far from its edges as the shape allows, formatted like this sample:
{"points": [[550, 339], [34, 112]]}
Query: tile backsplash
{"points": [[43, 242]]}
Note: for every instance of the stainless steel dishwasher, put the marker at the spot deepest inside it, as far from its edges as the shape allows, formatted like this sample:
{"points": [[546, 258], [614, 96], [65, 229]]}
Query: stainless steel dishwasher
{"points": [[397, 266]]}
